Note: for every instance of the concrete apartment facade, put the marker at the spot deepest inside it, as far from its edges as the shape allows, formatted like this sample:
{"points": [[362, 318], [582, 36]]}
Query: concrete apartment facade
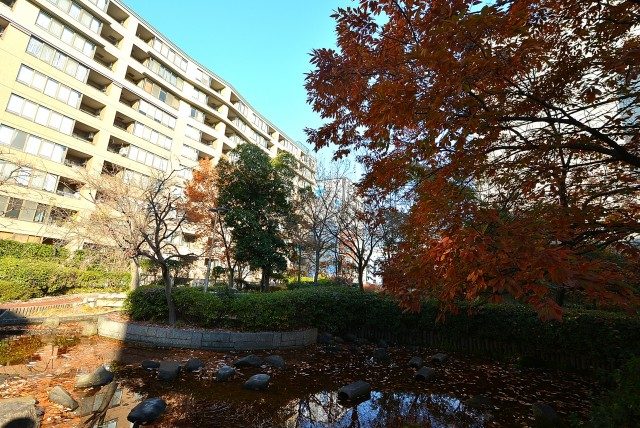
{"points": [[89, 87]]}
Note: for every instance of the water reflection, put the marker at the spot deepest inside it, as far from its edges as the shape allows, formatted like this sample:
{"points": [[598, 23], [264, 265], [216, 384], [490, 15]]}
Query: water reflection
{"points": [[383, 409]]}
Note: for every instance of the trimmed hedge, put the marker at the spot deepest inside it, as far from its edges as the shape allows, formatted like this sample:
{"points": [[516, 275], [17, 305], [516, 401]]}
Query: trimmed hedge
{"points": [[31, 250], [601, 336], [25, 278]]}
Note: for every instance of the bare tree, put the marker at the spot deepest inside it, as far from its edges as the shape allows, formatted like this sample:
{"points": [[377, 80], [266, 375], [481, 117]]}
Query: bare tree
{"points": [[144, 219], [359, 232], [319, 213]]}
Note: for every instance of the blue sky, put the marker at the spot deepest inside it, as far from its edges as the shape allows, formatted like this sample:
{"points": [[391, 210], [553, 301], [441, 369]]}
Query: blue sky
{"points": [[260, 47]]}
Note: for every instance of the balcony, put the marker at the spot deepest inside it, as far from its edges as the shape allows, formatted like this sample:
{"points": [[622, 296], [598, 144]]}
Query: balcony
{"points": [[118, 146], [111, 35], [91, 106], [123, 122], [84, 132], [69, 188], [105, 58], [98, 81], [76, 159], [117, 13]]}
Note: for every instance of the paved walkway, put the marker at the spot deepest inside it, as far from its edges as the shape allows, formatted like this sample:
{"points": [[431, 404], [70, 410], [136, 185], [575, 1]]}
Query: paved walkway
{"points": [[45, 301]]}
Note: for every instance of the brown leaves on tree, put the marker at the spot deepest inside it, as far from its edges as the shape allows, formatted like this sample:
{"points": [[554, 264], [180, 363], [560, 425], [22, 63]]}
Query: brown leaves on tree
{"points": [[511, 128]]}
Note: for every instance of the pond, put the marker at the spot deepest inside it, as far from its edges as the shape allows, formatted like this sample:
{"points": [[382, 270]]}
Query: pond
{"points": [[303, 394]]}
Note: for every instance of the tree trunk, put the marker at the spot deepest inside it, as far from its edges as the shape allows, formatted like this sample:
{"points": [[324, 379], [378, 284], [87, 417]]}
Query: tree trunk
{"points": [[135, 274], [299, 263], [264, 280], [316, 270], [168, 285], [230, 279], [361, 277]]}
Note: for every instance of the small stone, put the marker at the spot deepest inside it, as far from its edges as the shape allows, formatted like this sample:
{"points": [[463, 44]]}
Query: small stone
{"points": [[425, 373], [168, 370], [356, 391], [100, 377], [479, 402], [439, 358], [544, 416], [338, 339], [60, 396], [193, 365], [383, 343], [89, 329], [275, 361], [249, 361], [257, 382], [51, 322], [415, 362], [19, 413], [150, 364], [325, 338], [147, 411], [381, 355], [225, 373]]}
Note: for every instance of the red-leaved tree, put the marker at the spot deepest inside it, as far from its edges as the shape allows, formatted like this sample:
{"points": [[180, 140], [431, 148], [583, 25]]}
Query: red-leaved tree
{"points": [[514, 126]]}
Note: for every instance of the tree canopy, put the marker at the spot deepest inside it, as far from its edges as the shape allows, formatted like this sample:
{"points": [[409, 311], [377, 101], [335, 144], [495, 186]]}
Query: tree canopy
{"points": [[510, 126], [257, 193]]}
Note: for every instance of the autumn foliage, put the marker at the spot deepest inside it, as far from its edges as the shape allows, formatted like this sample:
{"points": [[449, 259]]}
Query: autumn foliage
{"points": [[511, 130]]}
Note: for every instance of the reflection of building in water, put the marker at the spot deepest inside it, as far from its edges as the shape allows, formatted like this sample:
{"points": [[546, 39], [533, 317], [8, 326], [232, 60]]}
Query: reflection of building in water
{"points": [[120, 405], [382, 410]]}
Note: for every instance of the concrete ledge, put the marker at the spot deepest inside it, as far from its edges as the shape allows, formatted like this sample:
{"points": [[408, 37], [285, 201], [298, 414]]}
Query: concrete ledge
{"points": [[204, 339]]}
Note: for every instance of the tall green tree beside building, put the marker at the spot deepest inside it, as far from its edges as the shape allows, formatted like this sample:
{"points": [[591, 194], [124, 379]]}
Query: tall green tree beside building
{"points": [[257, 193]]}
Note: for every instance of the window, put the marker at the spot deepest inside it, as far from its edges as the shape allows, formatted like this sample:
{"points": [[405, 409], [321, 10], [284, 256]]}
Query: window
{"points": [[163, 49], [49, 87], [164, 73], [156, 114], [40, 114], [189, 152], [196, 114], [57, 59], [13, 208], [152, 136], [66, 34], [31, 144], [79, 14], [193, 133]]}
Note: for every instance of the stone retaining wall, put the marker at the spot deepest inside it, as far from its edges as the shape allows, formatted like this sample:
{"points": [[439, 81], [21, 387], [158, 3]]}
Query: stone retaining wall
{"points": [[204, 339]]}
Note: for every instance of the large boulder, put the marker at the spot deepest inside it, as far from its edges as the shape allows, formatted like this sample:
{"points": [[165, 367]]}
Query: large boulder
{"points": [[150, 364], [60, 396], [275, 361], [20, 413], [193, 365], [257, 382], [100, 377], [249, 361], [439, 358], [225, 373], [356, 391], [544, 416], [425, 373], [416, 362], [147, 411], [168, 370]]}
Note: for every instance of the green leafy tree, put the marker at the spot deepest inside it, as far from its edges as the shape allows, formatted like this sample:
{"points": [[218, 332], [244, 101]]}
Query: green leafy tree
{"points": [[257, 192]]}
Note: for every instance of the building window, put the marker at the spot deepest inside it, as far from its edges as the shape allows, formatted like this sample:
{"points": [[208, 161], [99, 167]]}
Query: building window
{"points": [[40, 114], [13, 208], [31, 144], [66, 34], [57, 59], [48, 86], [79, 14], [151, 135]]}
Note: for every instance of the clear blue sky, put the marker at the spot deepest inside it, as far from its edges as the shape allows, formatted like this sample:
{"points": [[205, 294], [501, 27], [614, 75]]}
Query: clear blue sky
{"points": [[260, 47]]}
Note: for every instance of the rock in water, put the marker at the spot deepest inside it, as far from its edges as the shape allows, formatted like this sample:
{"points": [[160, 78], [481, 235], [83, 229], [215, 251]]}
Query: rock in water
{"points": [[257, 382], [415, 362], [193, 365], [275, 361], [355, 391], [425, 373], [100, 377], [150, 364], [147, 411], [20, 413], [225, 373], [439, 358], [381, 355], [249, 361], [545, 417], [479, 402], [168, 370], [60, 396]]}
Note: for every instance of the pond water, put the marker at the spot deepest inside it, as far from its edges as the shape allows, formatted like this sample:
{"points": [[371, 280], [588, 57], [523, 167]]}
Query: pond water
{"points": [[303, 394]]}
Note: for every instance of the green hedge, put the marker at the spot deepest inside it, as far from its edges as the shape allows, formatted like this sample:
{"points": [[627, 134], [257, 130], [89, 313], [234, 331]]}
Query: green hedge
{"points": [[602, 336], [31, 250], [26, 278]]}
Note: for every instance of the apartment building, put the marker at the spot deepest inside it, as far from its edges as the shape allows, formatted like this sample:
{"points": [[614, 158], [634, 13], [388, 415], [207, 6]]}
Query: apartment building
{"points": [[89, 87]]}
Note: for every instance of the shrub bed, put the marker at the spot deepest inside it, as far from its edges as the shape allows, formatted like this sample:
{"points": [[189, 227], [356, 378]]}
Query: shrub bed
{"points": [[599, 336], [27, 278]]}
